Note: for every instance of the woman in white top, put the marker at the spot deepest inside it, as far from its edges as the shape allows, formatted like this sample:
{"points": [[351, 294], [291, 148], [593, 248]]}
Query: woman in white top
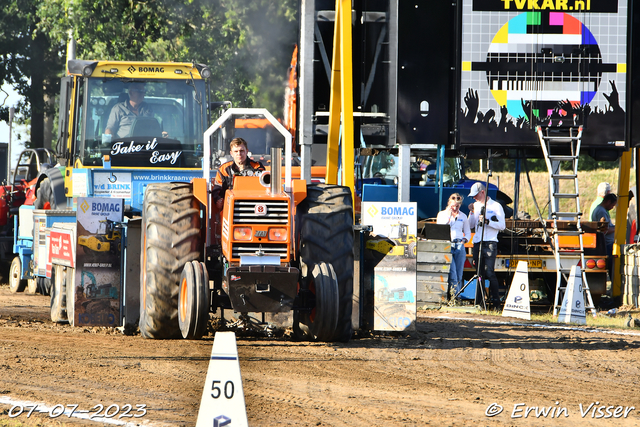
{"points": [[460, 234]]}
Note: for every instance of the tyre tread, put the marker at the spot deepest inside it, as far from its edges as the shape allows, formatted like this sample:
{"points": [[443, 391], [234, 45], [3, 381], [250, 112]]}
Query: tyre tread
{"points": [[171, 229], [326, 235]]}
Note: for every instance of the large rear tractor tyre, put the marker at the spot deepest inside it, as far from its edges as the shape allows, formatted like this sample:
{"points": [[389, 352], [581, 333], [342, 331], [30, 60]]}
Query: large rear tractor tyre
{"points": [[193, 300], [16, 284], [44, 196], [170, 239], [326, 236], [59, 295], [321, 323]]}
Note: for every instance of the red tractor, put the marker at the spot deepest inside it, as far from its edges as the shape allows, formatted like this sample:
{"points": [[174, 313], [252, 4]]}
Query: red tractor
{"points": [[21, 190]]}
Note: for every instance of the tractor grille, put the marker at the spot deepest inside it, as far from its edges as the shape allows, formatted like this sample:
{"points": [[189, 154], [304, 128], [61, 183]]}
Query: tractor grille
{"points": [[240, 249], [244, 212]]}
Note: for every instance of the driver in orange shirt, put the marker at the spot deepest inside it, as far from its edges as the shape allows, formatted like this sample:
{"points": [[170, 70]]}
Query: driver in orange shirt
{"points": [[240, 165]]}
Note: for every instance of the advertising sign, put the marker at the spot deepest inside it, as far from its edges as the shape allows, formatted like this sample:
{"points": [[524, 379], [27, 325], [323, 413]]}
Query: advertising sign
{"points": [[541, 62], [394, 230], [96, 300], [62, 249], [112, 184], [40, 244]]}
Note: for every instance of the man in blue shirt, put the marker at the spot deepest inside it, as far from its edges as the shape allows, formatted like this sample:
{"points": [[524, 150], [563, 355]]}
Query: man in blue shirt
{"points": [[601, 213], [603, 189]]}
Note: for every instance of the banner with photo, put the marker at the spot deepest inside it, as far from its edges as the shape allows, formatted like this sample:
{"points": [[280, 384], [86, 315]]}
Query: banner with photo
{"points": [[97, 290], [394, 238]]}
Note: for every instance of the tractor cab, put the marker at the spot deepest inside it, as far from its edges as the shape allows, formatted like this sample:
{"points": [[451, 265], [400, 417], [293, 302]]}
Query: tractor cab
{"points": [[166, 132], [399, 232], [130, 124]]}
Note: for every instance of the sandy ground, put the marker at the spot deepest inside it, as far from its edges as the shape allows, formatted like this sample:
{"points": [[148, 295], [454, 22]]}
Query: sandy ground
{"points": [[456, 369]]}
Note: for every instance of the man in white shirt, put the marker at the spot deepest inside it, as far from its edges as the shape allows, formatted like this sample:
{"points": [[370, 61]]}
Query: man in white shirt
{"points": [[487, 217], [460, 234]]}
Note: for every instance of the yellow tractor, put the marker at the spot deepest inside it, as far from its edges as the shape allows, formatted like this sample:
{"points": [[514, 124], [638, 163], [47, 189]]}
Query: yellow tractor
{"points": [[107, 239], [405, 243], [398, 243]]}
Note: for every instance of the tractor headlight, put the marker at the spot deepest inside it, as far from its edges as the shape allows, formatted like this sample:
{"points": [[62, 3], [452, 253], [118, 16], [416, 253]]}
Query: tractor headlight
{"points": [[206, 73], [242, 233], [279, 234]]}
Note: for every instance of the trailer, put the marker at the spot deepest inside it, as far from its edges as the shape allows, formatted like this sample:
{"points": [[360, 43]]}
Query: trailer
{"points": [[16, 239]]}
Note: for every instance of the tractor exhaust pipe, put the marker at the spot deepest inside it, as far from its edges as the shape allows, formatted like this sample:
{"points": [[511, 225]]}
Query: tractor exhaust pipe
{"points": [[276, 171]]}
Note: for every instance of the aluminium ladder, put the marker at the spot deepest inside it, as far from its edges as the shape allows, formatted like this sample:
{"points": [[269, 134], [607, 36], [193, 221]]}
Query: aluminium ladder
{"points": [[566, 143]]}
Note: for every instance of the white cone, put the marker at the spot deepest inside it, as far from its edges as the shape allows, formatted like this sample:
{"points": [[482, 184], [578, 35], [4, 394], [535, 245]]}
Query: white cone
{"points": [[222, 402], [572, 309], [518, 303]]}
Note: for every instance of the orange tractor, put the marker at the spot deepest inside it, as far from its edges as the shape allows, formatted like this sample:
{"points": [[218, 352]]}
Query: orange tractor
{"points": [[279, 245]]}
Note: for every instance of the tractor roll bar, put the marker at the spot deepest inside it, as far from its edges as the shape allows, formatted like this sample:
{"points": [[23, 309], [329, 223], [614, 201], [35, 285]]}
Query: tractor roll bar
{"points": [[206, 163]]}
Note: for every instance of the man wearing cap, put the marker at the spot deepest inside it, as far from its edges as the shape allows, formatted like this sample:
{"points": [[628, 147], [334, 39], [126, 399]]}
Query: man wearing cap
{"points": [[601, 213], [603, 189], [487, 216]]}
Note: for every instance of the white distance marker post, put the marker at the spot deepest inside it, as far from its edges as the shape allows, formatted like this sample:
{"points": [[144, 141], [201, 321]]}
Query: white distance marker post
{"points": [[572, 310], [222, 402], [518, 303]]}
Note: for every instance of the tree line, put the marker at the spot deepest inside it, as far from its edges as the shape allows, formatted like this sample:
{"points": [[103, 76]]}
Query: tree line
{"points": [[246, 43], [585, 163]]}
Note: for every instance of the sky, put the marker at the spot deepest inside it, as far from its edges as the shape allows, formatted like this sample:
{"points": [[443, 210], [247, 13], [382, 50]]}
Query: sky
{"points": [[16, 147]]}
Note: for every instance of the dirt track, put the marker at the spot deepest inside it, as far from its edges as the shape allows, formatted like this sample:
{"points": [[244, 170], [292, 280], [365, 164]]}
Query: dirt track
{"points": [[452, 371]]}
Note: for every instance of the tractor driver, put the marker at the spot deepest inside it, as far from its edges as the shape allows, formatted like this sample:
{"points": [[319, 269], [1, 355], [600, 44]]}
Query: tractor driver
{"points": [[240, 165], [123, 114]]}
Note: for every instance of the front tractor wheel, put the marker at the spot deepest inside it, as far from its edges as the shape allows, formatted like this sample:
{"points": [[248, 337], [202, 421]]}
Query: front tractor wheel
{"points": [[170, 239], [193, 300], [320, 323], [411, 250], [16, 284]]}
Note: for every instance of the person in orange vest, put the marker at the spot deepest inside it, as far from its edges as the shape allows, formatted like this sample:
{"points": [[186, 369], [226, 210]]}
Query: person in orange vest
{"points": [[240, 165]]}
